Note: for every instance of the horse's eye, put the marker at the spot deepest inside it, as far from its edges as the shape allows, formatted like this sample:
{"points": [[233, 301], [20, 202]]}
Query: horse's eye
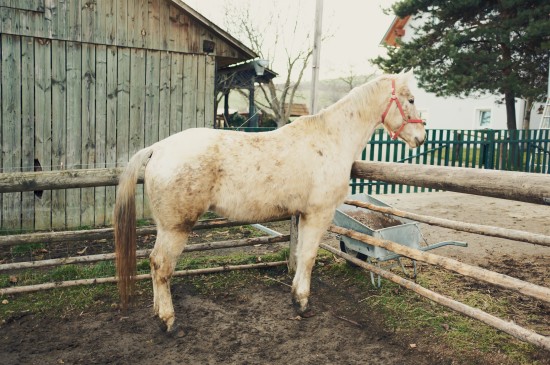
{"points": [[411, 101]]}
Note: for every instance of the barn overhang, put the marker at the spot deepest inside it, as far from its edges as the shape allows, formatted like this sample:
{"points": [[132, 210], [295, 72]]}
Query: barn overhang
{"points": [[243, 76]]}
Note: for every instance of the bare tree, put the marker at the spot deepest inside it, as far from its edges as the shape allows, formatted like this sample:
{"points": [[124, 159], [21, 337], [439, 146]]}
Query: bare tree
{"points": [[352, 79], [282, 40]]}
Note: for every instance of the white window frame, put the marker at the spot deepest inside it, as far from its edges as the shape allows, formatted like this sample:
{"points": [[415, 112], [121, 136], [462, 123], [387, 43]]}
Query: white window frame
{"points": [[478, 115]]}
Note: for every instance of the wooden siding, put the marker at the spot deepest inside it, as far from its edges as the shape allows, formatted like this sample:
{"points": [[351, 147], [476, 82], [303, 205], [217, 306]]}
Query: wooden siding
{"points": [[151, 24], [67, 104]]}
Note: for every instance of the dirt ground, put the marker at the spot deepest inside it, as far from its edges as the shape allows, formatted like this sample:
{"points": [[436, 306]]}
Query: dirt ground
{"points": [[256, 324]]}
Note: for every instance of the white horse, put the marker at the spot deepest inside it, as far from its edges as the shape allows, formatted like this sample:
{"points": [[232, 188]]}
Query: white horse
{"points": [[300, 169]]}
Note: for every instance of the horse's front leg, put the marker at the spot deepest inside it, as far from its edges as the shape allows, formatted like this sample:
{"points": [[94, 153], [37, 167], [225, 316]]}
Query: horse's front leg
{"points": [[163, 259], [311, 228]]}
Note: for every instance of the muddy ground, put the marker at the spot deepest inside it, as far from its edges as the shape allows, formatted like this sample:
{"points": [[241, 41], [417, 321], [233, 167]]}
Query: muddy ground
{"points": [[254, 323]]}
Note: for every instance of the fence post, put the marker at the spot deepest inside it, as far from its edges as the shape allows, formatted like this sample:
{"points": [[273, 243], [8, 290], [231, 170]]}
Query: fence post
{"points": [[294, 220], [490, 149]]}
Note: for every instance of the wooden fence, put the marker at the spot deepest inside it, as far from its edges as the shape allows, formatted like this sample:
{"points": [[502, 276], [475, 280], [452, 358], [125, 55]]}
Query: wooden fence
{"points": [[517, 186], [526, 151]]}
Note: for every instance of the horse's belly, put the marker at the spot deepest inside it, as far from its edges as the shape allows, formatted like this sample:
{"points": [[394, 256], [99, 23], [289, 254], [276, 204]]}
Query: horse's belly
{"points": [[250, 201]]}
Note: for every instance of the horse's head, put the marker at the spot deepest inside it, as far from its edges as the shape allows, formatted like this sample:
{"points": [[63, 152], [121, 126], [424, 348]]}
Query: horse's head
{"points": [[400, 117]]}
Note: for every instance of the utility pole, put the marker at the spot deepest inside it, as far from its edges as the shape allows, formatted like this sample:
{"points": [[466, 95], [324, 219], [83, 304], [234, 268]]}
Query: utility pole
{"points": [[312, 110], [316, 55]]}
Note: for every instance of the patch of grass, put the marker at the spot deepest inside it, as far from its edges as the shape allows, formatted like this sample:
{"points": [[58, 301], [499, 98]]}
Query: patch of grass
{"points": [[59, 273], [406, 312], [59, 302], [143, 222], [26, 248], [209, 215]]}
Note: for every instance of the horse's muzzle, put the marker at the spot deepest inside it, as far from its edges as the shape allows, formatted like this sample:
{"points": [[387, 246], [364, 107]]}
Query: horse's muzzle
{"points": [[419, 142]]}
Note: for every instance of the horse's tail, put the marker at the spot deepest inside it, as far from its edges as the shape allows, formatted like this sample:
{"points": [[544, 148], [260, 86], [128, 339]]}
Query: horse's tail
{"points": [[125, 225]]}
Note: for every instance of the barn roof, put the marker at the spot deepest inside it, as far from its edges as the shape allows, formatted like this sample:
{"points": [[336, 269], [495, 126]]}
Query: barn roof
{"points": [[395, 31], [242, 76], [246, 53], [297, 110]]}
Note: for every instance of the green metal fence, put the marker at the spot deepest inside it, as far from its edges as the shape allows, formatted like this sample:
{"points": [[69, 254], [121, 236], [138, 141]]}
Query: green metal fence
{"points": [[521, 150]]}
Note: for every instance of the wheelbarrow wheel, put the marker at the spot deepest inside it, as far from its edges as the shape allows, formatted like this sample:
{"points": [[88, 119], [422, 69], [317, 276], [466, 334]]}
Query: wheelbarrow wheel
{"points": [[353, 253]]}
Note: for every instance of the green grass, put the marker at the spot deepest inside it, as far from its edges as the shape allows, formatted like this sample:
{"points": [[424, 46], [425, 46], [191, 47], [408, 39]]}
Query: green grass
{"points": [[408, 313], [26, 248], [59, 302]]}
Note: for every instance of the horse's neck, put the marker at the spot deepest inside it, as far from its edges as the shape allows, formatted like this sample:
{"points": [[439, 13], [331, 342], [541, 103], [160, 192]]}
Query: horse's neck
{"points": [[354, 122]]}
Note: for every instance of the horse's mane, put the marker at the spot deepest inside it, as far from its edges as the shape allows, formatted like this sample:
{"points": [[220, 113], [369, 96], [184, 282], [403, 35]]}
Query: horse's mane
{"points": [[356, 99], [359, 95]]}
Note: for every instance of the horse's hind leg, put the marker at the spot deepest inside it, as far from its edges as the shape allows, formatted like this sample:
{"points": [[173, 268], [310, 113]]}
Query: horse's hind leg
{"points": [[310, 231], [163, 259]]}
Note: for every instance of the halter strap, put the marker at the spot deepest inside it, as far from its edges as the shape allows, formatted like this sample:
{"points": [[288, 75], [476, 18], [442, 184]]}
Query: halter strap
{"points": [[406, 120]]}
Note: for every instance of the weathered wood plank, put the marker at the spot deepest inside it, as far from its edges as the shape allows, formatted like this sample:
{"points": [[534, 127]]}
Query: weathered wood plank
{"points": [[60, 19], [11, 125], [122, 22], [176, 93], [75, 20], [43, 129], [164, 94], [29, 21], [176, 30], [164, 16], [531, 188], [58, 180], [153, 38], [190, 69], [100, 129], [74, 128], [131, 23], [152, 98], [99, 30], [48, 24], [210, 92], [88, 128], [201, 91], [123, 106], [1, 116], [27, 127], [111, 19], [137, 23], [6, 16], [152, 110], [111, 128], [59, 126], [89, 17], [137, 113]]}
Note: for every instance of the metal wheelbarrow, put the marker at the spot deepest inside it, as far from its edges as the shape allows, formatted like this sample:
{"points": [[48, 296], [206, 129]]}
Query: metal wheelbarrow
{"points": [[400, 230]]}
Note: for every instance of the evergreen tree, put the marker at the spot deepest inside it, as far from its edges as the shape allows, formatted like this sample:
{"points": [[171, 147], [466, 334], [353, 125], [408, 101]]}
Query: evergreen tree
{"points": [[470, 47]]}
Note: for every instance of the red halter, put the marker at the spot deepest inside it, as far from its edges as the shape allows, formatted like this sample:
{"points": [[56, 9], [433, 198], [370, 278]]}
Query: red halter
{"points": [[406, 120]]}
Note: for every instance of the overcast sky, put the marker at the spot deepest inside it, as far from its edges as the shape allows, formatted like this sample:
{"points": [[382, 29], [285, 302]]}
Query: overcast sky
{"points": [[357, 28]]}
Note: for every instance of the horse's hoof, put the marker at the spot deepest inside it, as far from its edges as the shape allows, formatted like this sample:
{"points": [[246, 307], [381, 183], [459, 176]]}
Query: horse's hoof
{"points": [[172, 331], [162, 325], [302, 311], [307, 314]]}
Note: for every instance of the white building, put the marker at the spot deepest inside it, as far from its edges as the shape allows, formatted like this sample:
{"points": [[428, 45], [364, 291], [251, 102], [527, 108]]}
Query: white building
{"points": [[458, 113]]}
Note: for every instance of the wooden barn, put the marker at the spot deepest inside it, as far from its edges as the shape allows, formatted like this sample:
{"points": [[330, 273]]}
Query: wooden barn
{"points": [[86, 83]]}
